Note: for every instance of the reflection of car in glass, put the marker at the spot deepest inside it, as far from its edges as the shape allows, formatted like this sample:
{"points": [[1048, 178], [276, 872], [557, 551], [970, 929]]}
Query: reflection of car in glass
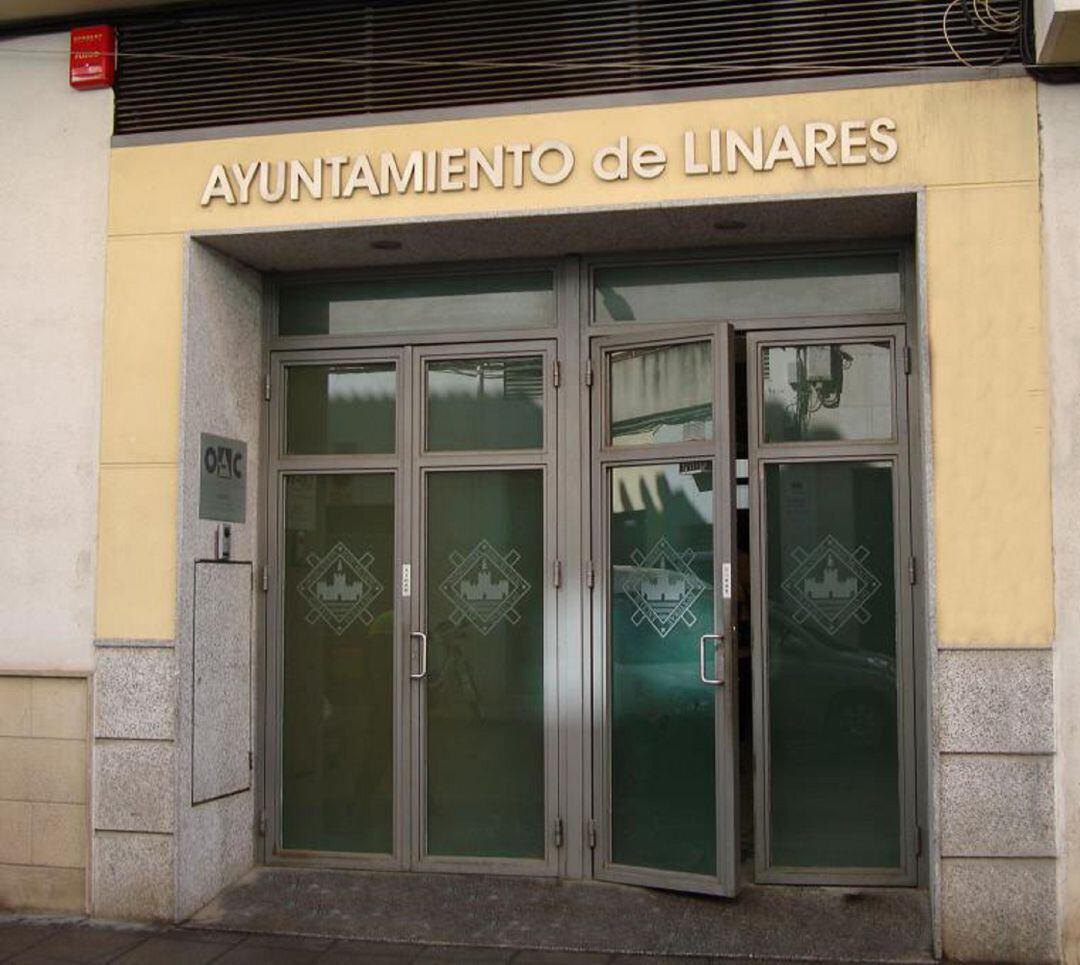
{"points": [[827, 691]]}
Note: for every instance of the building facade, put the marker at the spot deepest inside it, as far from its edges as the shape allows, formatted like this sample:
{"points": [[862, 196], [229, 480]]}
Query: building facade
{"points": [[669, 487]]}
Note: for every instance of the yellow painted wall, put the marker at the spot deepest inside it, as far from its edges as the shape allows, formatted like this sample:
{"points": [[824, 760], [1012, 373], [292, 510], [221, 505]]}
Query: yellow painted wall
{"points": [[990, 415], [973, 146], [136, 592]]}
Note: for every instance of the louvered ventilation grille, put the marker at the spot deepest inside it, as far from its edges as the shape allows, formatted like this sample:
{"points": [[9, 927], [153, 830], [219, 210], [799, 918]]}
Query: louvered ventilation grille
{"points": [[281, 61]]}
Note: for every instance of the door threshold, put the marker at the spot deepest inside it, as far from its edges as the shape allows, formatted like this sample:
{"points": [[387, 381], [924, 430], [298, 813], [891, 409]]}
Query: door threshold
{"points": [[793, 922]]}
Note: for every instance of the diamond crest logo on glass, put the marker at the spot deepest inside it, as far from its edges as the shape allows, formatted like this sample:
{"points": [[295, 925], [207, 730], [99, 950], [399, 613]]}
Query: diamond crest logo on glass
{"points": [[340, 588], [830, 585], [663, 588], [485, 587]]}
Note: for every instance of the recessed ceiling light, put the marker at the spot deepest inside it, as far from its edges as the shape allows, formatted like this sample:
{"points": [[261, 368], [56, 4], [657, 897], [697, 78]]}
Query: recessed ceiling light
{"points": [[730, 224], [386, 244]]}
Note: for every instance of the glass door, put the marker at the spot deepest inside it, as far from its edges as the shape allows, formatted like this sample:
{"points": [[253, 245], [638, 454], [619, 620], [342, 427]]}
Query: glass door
{"points": [[664, 656], [336, 679], [483, 609], [832, 649], [412, 607]]}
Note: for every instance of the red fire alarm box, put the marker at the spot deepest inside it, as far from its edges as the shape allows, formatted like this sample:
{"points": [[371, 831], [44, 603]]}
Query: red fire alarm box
{"points": [[93, 57]]}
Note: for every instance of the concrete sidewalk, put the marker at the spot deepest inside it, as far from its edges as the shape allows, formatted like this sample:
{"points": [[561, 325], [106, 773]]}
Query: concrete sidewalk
{"points": [[49, 941], [489, 911]]}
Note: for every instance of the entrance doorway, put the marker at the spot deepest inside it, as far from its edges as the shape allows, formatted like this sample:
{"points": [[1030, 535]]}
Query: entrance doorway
{"points": [[565, 580]]}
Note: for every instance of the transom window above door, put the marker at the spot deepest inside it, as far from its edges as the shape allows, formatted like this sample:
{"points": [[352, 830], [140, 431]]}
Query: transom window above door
{"points": [[344, 408], [484, 403], [660, 394], [443, 302]]}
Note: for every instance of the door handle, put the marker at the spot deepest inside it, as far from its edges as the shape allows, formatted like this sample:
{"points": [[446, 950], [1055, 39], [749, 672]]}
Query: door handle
{"points": [[717, 639], [423, 655]]}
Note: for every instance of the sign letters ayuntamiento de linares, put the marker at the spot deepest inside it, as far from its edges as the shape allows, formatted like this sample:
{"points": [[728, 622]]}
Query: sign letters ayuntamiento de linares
{"points": [[713, 151]]}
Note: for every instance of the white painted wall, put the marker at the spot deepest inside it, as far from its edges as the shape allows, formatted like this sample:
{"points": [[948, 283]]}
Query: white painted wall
{"points": [[1057, 31], [54, 145], [1059, 109]]}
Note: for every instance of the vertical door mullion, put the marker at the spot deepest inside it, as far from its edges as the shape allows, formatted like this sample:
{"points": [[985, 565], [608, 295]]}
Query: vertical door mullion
{"points": [[550, 671], [601, 623], [415, 690], [275, 637], [404, 753], [906, 611], [571, 759], [727, 694]]}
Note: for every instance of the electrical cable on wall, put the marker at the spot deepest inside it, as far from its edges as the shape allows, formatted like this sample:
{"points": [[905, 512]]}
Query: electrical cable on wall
{"points": [[992, 18], [1005, 19]]}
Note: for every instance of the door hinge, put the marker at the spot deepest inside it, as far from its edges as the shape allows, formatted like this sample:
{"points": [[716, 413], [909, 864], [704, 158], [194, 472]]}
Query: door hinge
{"points": [[591, 831], [590, 575], [251, 761], [912, 571], [557, 833], [556, 373], [588, 371], [907, 360], [556, 574], [262, 823], [266, 579], [266, 387], [918, 842]]}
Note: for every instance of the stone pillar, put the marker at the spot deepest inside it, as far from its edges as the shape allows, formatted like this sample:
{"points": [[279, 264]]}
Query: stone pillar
{"points": [[173, 771]]}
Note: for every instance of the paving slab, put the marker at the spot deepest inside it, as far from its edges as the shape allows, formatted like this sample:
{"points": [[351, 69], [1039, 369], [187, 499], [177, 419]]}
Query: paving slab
{"points": [[15, 937], [156, 950], [534, 957], [87, 943], [249, 954], [371, 953]]}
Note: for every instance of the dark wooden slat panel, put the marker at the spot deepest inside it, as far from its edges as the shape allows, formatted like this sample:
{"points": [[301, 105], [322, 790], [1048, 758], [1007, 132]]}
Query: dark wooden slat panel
{"points": [[282, 60]]}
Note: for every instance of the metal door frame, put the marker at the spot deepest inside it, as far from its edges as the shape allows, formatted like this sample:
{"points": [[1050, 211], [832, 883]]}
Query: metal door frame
{"points": [[573, 328], [424, 464], [720, 452], [894, 451], [409, 465], [279, 466]]}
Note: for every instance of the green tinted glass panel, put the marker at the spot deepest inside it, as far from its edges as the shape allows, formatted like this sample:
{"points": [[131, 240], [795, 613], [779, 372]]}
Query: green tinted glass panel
{"points": [[418, 304], [340, 408], [822, 392], [661, 394], [338, 727], [485, 682], [765, 288], [663, 798], [832, 647], [489, 403]]}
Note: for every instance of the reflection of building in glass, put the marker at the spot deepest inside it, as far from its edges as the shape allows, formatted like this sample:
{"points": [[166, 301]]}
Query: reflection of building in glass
{"points": [[829, 391]]}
